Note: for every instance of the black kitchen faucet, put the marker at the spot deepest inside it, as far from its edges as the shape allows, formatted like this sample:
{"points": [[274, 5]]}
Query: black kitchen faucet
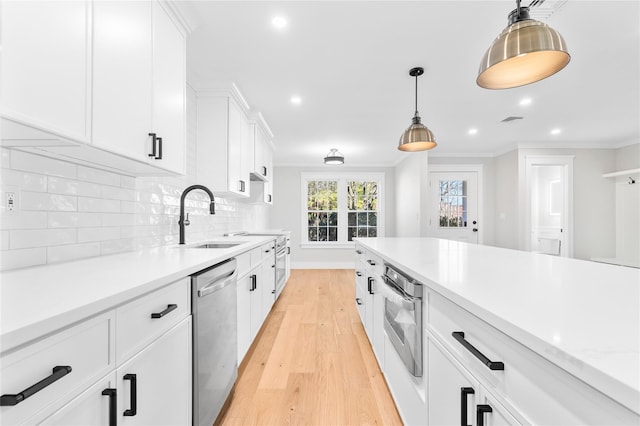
{"points": [[182, 222]]}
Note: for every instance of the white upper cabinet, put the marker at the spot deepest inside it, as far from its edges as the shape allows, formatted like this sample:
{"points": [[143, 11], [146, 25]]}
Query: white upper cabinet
{"points": [[223, 142], [93, 82], [262, 164], [45, 70], [139, 83]]}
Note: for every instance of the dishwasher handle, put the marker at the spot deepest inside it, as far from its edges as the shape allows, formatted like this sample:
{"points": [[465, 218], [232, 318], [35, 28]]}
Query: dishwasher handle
{"points": [[217, 285]]}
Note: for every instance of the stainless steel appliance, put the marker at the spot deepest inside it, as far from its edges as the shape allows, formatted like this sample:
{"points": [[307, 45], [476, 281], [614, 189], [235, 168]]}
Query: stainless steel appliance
{"points": [[281, 257], [215, 339], [403, 317]]}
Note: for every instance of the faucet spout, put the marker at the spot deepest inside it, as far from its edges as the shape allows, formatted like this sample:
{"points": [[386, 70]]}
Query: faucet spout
{"points": [[212, 206]]}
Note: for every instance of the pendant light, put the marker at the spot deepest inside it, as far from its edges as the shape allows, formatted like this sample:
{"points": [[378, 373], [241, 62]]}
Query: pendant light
{"points": [[525, 52], [417, 137], [334, 157]]}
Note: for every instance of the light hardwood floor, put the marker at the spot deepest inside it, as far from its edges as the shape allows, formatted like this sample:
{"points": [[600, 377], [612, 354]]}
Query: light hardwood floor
{"points": [[312, 363]]}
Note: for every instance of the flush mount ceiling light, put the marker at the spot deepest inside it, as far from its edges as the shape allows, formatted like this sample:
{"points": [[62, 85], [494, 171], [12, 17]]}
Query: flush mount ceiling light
{"points": [[334, 157], [296, 100], [279, 22], [525, 52], [417, 137]]}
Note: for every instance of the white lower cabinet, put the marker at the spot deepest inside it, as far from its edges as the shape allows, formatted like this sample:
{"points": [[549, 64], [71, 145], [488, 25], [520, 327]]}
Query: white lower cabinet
{"points": [[267, 283], [90, 408], [154, 387]]}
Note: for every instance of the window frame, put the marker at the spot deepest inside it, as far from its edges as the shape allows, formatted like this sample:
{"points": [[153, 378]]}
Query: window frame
{"points": [[342, 178]]}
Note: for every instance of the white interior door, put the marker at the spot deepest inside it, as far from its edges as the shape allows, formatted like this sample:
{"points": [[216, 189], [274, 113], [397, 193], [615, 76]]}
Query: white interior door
{"points": [[454, 206]]}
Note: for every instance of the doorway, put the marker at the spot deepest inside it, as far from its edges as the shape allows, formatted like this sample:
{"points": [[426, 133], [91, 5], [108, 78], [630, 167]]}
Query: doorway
{"points": [[454, 207], [549, 205]]}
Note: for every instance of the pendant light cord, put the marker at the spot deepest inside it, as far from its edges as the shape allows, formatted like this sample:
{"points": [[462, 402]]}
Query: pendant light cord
{"points": [[416, 114], [518, 7]]}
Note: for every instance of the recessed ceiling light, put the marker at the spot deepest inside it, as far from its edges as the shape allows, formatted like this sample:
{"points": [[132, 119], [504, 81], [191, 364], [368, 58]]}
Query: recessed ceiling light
{"points": [[296, 100], [556, 131], [473, 131], [525, 101], [279, 22]]}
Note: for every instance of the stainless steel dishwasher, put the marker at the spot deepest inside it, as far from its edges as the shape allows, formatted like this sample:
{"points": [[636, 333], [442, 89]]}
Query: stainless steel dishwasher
{"points": [[214, 293]]}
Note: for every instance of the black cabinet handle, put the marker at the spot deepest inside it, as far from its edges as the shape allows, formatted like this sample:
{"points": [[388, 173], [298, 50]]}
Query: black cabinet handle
{"points": [[464, 392], [133, 402], [159, 156], [170, 308], [113, 406], [253, 279], [269, 198], [359, 251], [59, 371], [370, 284], [358, 273], [480, 410], [153, 145], [264, 171], [358, 301], [288, 250], [493, 365], [242, 188], [371, 262]]}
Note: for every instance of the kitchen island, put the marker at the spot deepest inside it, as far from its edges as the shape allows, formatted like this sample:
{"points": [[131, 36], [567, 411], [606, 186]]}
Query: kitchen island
{"points": [[562, 316]]}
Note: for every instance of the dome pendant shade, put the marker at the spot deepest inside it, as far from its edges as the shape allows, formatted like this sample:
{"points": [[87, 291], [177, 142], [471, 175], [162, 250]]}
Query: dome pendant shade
{"points": [[417, 137], [525, 52], [334, 157]]}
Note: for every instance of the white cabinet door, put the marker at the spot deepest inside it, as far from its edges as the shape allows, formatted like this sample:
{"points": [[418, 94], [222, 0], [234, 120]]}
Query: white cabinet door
{"points": [[45, 71], [248, 325], [452, 391], [161, 377], [497, 416], [90, 408], [246, 157], [268, 284], [169, 97], [122, 77], [236, 182]]}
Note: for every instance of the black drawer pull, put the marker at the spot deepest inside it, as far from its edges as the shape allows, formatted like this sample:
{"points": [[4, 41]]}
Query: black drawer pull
{"points": [[358, 273], [170, 308], [493, 365], [159, 156], [264, 171], [133, 403], [113, 405], [370, 284], [59, 371], [269, 200], [464, 392], [359, 251], [371, 262], [153, 145], [358, 301], [480, 410], [253, 279]]}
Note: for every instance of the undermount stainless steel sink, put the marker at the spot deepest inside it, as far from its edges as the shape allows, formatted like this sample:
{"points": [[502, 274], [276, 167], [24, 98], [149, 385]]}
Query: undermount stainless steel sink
{"points": [[215, 245]]}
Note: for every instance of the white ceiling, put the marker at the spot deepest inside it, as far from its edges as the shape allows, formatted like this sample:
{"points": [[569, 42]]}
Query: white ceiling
{"points": [[349, 62]]}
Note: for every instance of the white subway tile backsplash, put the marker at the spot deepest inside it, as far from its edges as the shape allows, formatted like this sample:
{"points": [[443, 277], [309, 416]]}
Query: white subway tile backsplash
{"points": [[23, 220], [14, 259], [103, 177], [114, 193], [46, 202], [73, 219], [5, 156], [127, 206], [118, 219], [98, 234], [37, 164], [86, 204], [72, 252], [25, 180], [128, 182], [28, 238], [73, 187], [117, 246], [4, 240]]}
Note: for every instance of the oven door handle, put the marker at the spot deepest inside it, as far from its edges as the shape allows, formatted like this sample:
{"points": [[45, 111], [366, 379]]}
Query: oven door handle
{"points": [[406, 297]]}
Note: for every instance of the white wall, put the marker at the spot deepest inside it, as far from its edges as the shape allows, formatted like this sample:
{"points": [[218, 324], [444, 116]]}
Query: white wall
{"points": [[66, 211], [287, 214]]}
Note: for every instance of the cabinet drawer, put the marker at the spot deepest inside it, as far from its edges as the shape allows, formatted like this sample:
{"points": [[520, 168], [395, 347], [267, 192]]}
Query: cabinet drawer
{"points": [[268, 250], [87, 348], [135, 326], [531, 387], [243, 262], [374, 264], [361, 304], [256, 256]]}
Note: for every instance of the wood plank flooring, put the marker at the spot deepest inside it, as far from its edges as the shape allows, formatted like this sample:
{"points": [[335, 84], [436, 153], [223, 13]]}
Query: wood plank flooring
{"points": [[312, 363]]}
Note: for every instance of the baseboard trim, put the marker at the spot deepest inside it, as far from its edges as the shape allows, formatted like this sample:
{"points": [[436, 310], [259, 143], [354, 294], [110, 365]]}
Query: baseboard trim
{"points": [[322, 265]]}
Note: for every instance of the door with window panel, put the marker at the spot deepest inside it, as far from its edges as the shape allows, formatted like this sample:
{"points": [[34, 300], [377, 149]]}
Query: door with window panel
{"points": [[454, 206]]}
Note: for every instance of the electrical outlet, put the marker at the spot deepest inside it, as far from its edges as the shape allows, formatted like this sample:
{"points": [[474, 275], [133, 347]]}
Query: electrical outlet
{"points": [[11, 200]]}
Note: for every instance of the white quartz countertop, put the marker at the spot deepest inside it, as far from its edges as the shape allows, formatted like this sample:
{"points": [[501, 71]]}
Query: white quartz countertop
{"points": [[37, 301], [582, 316]]}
